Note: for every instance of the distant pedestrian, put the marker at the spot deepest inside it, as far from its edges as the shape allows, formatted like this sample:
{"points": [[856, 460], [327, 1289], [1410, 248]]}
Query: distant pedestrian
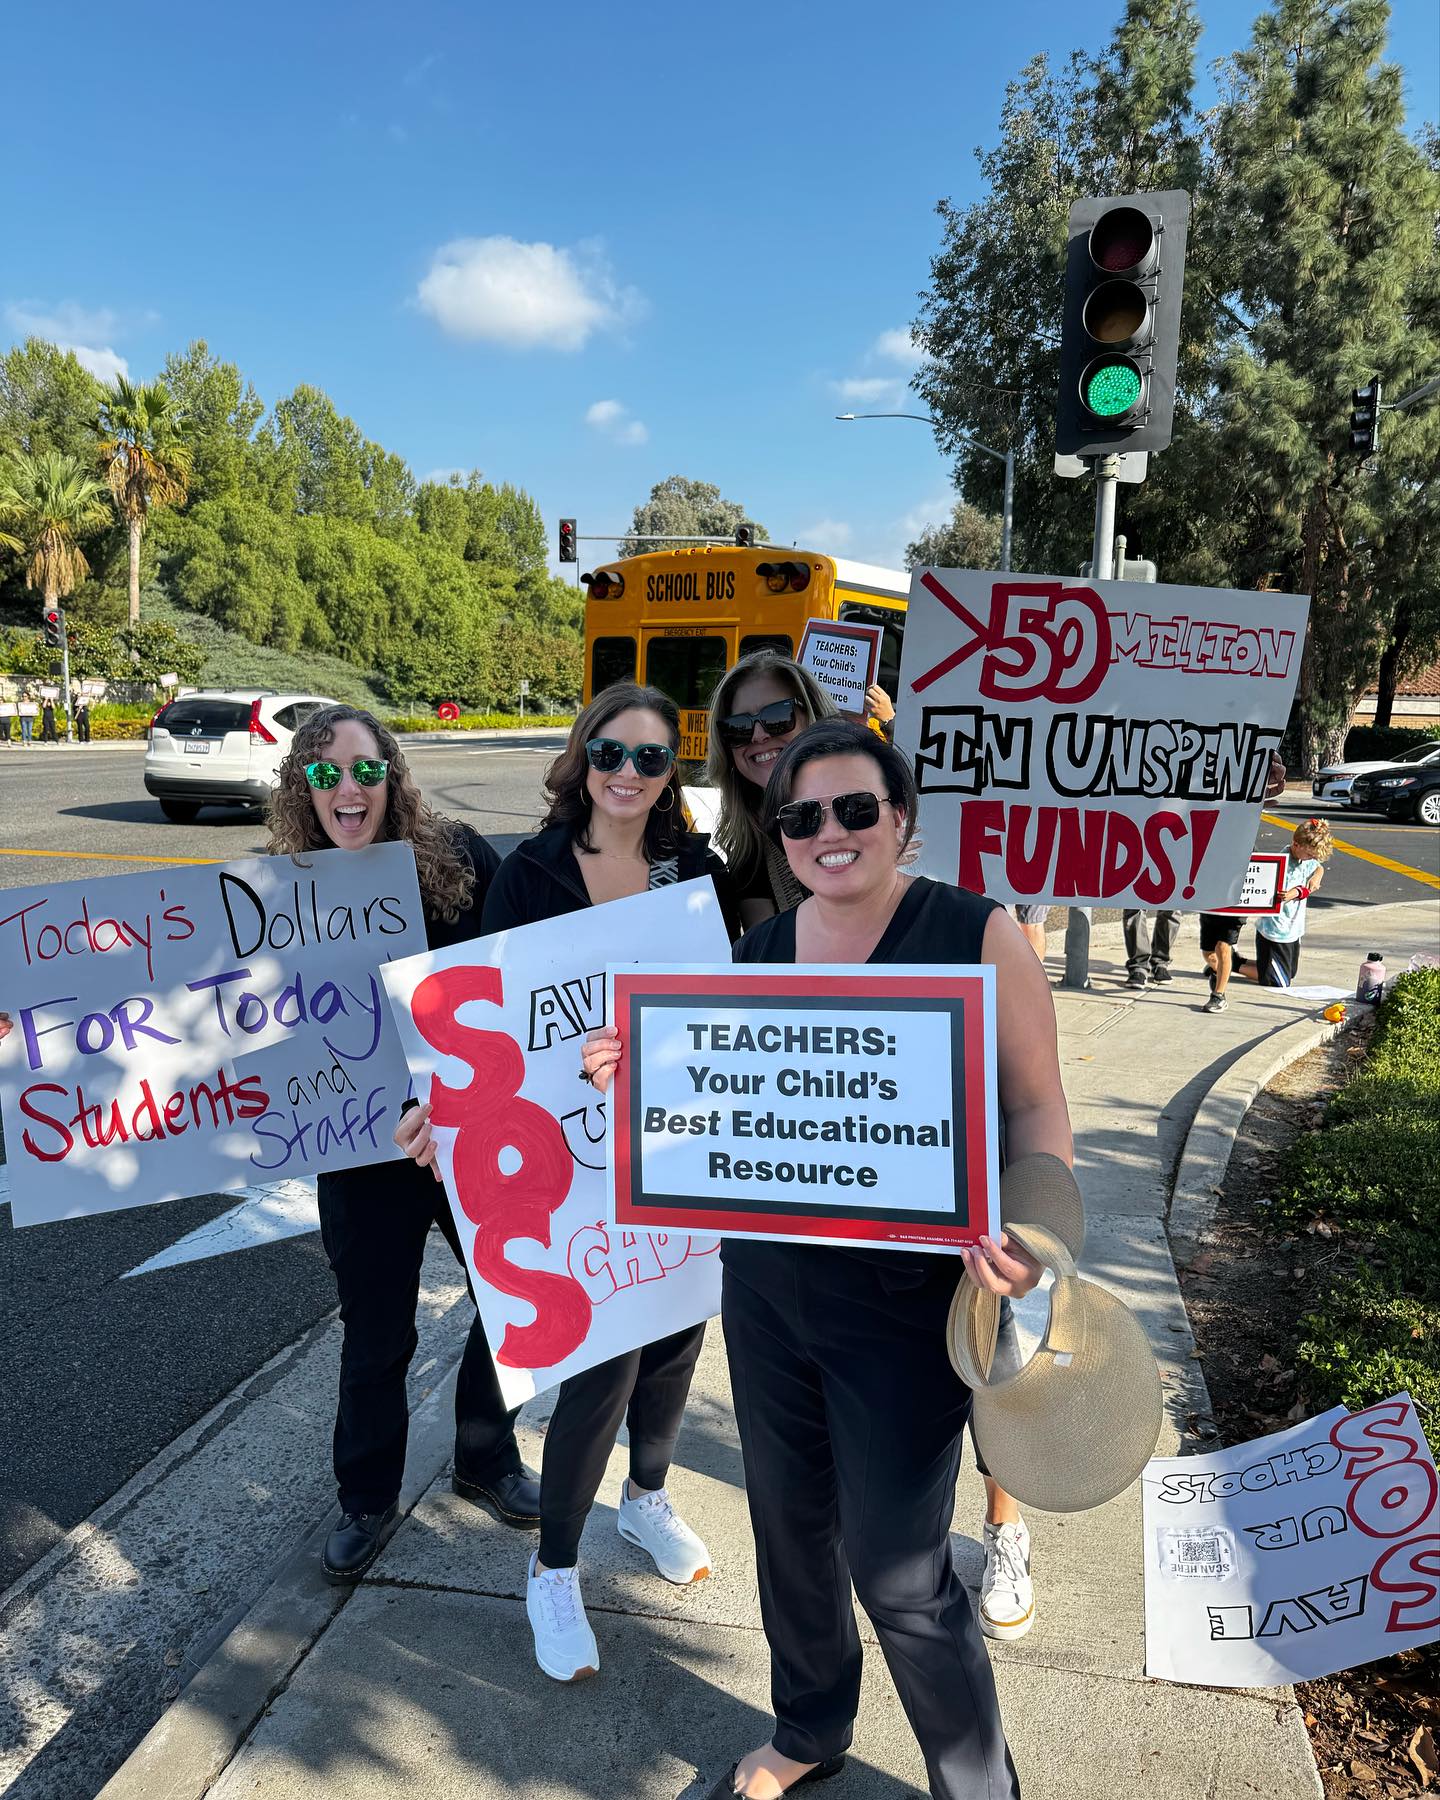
{"points": [[7, 713], [1278, 936], [28, 712], [48, 734], [1031, 920], [1148, 959], [82, 721]]}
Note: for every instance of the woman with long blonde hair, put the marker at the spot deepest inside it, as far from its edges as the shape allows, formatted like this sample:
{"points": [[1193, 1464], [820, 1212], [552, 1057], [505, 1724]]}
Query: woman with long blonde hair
{"points": [[345, 784]]}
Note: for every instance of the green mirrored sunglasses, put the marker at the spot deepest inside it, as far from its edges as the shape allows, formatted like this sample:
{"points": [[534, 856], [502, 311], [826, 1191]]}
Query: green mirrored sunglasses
{"points": [[367, 770]]}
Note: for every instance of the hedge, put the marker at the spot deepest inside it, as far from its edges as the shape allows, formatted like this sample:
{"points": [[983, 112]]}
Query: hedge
{"points": [[1368, 743], [482, 722]]}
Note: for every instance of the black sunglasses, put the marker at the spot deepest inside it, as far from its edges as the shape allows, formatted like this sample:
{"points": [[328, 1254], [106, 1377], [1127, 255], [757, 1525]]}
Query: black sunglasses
{"points": [[774, 720], [853, 812], [609, 754], [369, 771]]}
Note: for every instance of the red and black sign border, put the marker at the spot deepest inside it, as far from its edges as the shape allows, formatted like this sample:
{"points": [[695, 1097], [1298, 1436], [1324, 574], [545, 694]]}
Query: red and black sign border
{"points": [[1278, 859]]}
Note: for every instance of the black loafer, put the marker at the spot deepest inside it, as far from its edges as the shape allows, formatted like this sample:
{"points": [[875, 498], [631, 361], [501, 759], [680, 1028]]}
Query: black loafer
{"points": [[724, 1789], [513, 1498], [354, 1544]]}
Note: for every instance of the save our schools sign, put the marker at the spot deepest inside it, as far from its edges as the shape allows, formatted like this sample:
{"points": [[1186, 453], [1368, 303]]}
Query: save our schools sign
{"points": [[1099, 743], [201, 1029], [493, 1031]]}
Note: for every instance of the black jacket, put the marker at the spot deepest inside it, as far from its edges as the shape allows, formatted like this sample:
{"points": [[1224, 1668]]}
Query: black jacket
{"points": [[485, 860], [541, 880]]}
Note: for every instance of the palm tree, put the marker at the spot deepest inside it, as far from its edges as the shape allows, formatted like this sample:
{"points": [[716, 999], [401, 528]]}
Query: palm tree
{"points": [[48, 501], [145, 460]]}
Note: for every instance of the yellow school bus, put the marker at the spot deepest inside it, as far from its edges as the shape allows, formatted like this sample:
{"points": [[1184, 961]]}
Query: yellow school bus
{"points": [[677, 619]]}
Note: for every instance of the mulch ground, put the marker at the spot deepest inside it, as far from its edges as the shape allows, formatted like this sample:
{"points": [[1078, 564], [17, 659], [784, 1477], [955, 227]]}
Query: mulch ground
{"points": [[1376, 1729]]}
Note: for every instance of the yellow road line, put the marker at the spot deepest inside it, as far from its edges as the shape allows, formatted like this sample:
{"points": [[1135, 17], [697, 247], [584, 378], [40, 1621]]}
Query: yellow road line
{"points": [[112, 856], [1381, 862]]}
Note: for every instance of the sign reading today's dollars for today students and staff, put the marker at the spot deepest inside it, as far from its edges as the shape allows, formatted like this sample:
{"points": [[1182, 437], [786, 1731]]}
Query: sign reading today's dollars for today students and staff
{"points": [[201, 1029], [807, 1103], [1095, 742], [493, 1030]]}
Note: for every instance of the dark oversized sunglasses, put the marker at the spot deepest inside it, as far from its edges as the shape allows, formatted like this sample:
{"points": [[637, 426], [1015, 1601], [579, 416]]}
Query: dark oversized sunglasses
{"points": [[774, 720], [609, 754], [368, 771], [853, 812]]}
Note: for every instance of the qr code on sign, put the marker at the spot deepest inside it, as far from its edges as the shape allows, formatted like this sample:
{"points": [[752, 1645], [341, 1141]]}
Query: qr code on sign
{"points": [[1206, 1554]]}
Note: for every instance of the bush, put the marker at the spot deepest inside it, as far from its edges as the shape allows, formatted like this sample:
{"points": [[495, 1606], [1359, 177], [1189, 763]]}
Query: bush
{"points": [[481, 722], [1367, 743], [1372, 1173]]}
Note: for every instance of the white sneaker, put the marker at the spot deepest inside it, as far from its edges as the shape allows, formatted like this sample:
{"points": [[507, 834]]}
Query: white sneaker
{"points": [[1007, 1595], [565, 1646], [652, 1523]]}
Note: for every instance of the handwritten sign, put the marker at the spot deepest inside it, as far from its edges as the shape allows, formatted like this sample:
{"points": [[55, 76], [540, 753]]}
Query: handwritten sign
{"points": [[493, 1031], [1102, 743], [1261, 889], [136, 1000], [803, 1104], [843, 658], [1293, 1556]]}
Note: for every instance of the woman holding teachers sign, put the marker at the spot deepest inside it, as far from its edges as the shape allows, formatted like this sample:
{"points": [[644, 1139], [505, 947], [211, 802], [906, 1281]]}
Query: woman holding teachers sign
{"points": [[850, 1415], [614, 829], [345, 783]]}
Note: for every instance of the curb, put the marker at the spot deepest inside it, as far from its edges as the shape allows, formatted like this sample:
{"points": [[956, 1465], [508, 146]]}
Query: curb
{"points": [[1195, 1197], [188, 1748]]}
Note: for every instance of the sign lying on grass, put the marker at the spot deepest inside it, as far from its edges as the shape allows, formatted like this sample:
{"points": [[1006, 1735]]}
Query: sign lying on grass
{"points": [[493, 1030], [135, 1000], [1261, 889], [843, 658], [807, 1105], [1293, 1556], [1103, 743]]}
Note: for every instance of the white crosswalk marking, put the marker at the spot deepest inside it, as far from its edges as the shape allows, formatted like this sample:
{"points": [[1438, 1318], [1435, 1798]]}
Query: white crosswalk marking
{"points": [[280, 1209]]}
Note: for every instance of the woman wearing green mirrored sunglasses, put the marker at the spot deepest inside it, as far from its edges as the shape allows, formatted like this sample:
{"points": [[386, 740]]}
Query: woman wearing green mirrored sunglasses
{"points": [[345, 784]]}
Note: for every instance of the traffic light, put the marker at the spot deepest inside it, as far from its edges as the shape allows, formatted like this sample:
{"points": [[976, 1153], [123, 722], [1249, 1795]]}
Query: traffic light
{"points": [[567, 540], [1120, 333], [744, 537], [54, 628], [1365, 420]]}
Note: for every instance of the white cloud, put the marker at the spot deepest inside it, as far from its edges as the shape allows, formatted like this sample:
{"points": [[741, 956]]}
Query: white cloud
{"points": [[870, 389], [525, 296], [826, 534], [72, 327], [898, 346], [614, 420], [934, 511]]}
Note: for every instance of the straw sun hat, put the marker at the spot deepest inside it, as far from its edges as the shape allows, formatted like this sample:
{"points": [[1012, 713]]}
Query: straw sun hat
{"points": [[1078, 1422]]}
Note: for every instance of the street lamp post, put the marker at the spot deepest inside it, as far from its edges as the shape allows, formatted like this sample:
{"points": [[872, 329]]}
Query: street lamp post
{"points": [[1007, 457]]}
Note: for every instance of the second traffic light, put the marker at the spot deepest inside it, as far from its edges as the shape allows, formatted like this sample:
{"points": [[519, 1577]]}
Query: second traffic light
{"points": [[54, 627], [567, 540], [1365, 420], [1120, 333]]}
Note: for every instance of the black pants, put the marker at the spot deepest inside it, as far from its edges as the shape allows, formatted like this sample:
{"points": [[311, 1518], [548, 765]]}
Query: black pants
{"points": [[374, 1223], [1140, 952], [850, 1420], [646, 1388]]}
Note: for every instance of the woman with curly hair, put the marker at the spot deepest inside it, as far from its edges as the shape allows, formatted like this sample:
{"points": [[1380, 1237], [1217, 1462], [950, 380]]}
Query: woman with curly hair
{"points": [[345, 784], [615, 827]]}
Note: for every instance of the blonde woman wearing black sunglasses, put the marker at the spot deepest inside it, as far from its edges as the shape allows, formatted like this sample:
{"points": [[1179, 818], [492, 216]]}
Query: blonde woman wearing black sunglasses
{"points": [[615, 827], [345, 784]]}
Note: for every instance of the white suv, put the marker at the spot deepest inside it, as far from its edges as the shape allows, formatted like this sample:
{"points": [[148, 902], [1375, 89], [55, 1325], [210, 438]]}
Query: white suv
{"points": [[218, 747]]}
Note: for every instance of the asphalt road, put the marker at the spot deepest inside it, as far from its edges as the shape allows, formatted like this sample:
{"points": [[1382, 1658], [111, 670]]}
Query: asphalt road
{"points": [[103, 1372]]}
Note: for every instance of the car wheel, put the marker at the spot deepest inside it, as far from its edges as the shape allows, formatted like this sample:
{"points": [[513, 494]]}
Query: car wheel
{"points": [[1427, 808], [180, 812]]}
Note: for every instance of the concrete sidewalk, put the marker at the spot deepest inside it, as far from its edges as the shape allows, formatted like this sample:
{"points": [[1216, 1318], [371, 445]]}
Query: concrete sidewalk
{"points": [[424, 1684]]}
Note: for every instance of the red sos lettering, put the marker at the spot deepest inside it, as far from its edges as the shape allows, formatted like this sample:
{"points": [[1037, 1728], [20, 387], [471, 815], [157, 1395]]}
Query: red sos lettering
{"points": [[1042, 641], [1394, 1492], [489, 1115]]}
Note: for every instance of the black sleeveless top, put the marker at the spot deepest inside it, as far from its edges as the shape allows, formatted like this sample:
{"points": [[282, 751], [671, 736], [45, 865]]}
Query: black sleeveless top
{"points": [[934, 923]]}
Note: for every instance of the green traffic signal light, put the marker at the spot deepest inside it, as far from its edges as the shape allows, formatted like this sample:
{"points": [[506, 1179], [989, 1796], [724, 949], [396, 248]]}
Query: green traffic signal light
{"points": [[1111, 389]]}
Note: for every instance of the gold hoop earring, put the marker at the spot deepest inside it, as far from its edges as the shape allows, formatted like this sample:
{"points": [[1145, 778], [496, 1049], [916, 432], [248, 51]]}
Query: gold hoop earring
{"points": [[666, 809]]}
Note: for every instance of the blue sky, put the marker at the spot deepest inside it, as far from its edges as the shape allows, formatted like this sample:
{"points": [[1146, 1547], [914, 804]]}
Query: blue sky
{"points": [[580, 248]]}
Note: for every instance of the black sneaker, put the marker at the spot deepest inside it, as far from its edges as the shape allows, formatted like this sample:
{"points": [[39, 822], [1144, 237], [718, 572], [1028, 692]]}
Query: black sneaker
{"points": [[354, 1544], [1160, 974], [1215, 1004], [1138, 979]]}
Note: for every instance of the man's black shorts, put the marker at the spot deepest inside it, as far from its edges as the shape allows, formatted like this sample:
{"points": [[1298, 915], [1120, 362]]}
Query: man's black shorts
{"points": [[1218, 928]]}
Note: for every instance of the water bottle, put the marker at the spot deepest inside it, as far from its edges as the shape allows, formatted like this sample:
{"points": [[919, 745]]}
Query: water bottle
{"points": [[1371, 984]]}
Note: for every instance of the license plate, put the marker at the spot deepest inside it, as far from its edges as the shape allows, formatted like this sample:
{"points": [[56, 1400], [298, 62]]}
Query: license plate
{"points": [[197, 749]]}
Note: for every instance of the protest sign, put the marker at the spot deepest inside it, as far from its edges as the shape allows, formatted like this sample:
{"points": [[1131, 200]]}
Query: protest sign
{"points": [[808, 1105], [1102, 743], [136, 998], [843, 658], [493, 1031], [1261, 889], [1293, 1556]]}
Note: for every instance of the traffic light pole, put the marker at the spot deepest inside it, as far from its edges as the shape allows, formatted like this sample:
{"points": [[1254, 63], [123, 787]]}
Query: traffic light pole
{"points": [[65, 689]]}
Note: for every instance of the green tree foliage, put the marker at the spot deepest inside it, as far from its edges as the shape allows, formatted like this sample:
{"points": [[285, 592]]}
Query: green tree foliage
{"points": [[968, 539], [48, 502], [145, 460], [1312, 267], [47, 401], [221, 411], [679, 507]]}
